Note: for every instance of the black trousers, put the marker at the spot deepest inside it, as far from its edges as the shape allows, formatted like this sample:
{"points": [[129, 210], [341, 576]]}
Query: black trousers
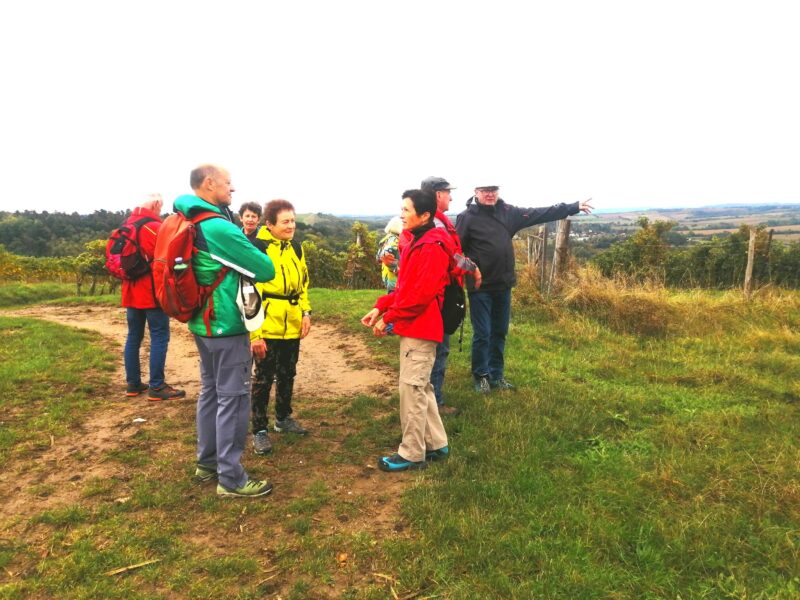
{"points": [[280, 366]]}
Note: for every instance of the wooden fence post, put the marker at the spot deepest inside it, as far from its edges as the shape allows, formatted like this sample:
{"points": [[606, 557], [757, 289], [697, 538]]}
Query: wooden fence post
{"points": [[769, 255], [748, 274], [543, 258], [560, 254]]}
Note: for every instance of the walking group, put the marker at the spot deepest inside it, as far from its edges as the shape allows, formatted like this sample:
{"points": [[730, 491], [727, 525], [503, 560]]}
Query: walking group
{"points": [[253, 309]]}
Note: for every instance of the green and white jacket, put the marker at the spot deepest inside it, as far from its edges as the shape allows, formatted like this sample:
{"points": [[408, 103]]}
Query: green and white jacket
{"points": [[220, 241]]}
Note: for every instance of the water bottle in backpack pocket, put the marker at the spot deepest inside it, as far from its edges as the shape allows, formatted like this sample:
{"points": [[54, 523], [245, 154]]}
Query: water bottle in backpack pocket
{"points": [[174, 281]]}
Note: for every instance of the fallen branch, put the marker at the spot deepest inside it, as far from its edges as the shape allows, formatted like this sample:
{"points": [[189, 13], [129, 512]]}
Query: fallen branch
{"points": [[132, 567]]}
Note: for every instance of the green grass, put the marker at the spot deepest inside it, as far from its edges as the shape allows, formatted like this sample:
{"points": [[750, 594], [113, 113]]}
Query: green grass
{"points": [[14, 295], [623, 466], [50, 377]]}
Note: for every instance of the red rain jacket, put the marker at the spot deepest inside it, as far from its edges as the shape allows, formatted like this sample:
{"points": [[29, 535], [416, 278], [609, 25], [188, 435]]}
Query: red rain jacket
{"points": [[414, 308]]}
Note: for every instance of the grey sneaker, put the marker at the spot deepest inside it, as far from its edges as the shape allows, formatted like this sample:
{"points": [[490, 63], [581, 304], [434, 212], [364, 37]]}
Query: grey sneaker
{"points": [[261, 443], [165, 392], [203, 473], [289, 425], [482, 385], [501, 384], [251, 489]]}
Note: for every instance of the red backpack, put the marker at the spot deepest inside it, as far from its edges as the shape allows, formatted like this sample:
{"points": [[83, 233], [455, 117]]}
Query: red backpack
{"points": [[174, 281], [124, 258]]}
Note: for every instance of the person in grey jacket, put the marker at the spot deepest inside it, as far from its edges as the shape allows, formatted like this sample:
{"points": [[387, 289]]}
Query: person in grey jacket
{"points": [[486, 229]]}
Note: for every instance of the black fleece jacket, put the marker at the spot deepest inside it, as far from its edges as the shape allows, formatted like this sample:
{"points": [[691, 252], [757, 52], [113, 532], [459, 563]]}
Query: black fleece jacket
{"points": [[486, 233]]}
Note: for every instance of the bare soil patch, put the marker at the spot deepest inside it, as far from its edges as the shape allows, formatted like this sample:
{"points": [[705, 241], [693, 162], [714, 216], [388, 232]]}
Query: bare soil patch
{"points": [[333, 368]]}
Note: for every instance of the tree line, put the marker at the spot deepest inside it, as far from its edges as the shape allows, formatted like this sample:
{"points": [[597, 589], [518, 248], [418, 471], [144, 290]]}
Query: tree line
{"points": [[341, 253], [718, 263], [349, 265]]}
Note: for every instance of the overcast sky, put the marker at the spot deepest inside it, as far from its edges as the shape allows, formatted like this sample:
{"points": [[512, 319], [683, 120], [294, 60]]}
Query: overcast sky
{"points": [[340, 106]]}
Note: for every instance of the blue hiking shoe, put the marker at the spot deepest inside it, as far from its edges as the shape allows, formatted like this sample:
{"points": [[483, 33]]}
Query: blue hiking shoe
{"points": [[395, 462], [439, 454]]}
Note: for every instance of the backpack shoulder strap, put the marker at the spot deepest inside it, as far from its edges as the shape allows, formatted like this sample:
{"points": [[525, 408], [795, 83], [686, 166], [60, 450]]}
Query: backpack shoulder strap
{"points": [[142, 221], [298, 249], [204, 216], [137, 225]]}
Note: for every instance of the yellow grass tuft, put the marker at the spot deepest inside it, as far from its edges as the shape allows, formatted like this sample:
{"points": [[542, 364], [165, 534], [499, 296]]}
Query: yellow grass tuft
{"points": [[651, 309]]}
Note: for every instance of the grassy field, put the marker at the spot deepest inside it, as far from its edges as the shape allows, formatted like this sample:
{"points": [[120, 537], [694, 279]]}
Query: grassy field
{"points": [[650, 451], [22, 294]]}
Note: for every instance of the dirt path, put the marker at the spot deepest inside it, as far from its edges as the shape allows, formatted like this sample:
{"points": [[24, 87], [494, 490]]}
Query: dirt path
{"points": [[331, 366]]}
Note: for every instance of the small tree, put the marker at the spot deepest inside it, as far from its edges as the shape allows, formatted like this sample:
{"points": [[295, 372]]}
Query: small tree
{"points": [[361, 270], [643, 255], [325, 268], [91, 263]]}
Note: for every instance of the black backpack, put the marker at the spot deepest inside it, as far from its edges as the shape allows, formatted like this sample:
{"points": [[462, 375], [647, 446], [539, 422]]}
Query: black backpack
{"points": [[454, 306], [124, 258], [454, 302]]}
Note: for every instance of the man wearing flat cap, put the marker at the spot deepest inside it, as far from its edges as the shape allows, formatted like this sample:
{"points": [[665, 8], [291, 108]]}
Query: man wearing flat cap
{"points": [[486, 229], [440, 187]]}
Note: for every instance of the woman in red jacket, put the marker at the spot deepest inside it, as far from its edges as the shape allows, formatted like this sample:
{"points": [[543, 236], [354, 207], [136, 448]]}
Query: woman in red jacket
{"points": [[413, 312]]}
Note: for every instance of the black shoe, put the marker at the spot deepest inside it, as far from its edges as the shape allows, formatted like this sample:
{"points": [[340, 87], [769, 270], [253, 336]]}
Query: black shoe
{"points": [[482, 385], [501, 384], [261, 443], [289, 425], [134, 389], [165, 392]]}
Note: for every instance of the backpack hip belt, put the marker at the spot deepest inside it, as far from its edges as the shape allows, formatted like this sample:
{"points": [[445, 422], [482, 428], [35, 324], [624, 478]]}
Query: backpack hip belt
{"points": [[293, 298]]}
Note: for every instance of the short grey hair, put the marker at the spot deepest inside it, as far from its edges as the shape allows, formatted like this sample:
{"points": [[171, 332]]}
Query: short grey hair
{"points": [[198, 175]]}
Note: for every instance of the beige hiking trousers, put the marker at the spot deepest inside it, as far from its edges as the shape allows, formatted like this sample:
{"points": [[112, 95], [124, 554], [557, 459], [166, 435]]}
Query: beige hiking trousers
{"points": [[419, 416]]}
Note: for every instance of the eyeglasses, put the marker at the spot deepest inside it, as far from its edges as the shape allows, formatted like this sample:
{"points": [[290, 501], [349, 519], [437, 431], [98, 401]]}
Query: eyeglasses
{"points": [[485, 191]]}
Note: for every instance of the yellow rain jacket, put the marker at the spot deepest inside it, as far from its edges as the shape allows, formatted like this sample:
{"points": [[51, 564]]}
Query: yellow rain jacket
{"points": [[285, 297]]}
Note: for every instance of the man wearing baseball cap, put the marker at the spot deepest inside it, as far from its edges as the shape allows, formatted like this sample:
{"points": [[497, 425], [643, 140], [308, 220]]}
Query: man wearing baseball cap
{"points": [[440, 187], [486, 229]]}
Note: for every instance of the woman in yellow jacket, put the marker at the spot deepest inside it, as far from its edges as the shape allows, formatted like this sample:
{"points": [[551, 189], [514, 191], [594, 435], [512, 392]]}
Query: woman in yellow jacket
{"points": [[276, 346]]}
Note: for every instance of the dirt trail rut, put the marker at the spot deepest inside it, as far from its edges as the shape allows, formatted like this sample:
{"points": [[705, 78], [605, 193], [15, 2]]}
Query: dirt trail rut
{"points": [[332, 365]]}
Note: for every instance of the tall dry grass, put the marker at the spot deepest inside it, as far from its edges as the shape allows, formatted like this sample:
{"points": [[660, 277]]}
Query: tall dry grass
{"points": [[651, 309]]}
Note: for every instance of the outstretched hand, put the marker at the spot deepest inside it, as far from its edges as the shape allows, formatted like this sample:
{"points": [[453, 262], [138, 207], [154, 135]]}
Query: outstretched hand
{"points": [[379, 329], [586, 206], [368, 320]]}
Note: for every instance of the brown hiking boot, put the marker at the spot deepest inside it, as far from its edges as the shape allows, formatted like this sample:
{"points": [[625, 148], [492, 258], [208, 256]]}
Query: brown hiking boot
{"points": [[445, 409], [165, 392]]}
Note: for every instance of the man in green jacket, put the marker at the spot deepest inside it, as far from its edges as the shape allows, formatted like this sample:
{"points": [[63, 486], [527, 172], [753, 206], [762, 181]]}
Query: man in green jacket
{"points": [[223, 407]]}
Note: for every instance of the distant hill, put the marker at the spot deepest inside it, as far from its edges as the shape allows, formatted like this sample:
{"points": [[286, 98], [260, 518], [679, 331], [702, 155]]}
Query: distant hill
{"points": [[710, 220]]}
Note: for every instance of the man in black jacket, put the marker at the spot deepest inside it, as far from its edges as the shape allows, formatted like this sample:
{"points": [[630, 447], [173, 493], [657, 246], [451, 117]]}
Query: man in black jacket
{"points": [[486, 229]]}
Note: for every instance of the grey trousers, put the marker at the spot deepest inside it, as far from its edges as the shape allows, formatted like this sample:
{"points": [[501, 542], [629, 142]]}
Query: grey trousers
{"points": [[223, 408]]}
